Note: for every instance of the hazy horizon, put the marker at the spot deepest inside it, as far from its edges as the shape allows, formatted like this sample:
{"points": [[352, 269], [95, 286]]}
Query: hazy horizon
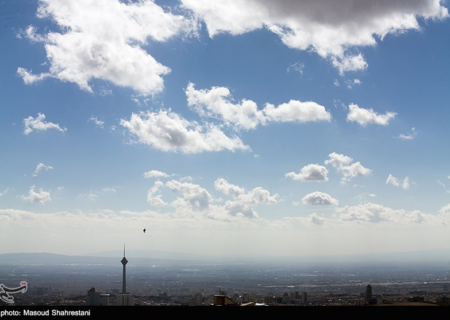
{"points": [[246, 128], [144, 257]]}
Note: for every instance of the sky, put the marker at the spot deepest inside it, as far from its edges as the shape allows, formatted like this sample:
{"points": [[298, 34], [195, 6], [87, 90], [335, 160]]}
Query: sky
{"points": [[243, 128]]}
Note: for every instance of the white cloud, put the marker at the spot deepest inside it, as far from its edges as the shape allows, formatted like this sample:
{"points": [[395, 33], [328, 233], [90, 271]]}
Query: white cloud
{"points": [[167, 131], [39, 124], [155, 174], [193, 196], [41, 167], [92, 196], [155, 200], [392, 180], [368, 116], [349, 63], [243, 200], [375, 213], [297, 111], [332, 29], [4, 192], [29, 78], [228, 189], [396, 183], [256, 196], [406, 183], [298, 67], [349, 171], [364, 196], [445, 209], [310, 172], [37, 197], [197, 202], [351, 83], [98, 123], [398, 231], [319, 198], [443, 186], [410, 136], [217, 103], [103, 39]]}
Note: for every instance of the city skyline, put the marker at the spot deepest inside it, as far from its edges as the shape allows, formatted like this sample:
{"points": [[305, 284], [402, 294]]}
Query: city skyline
{"points": [[253, 128]]}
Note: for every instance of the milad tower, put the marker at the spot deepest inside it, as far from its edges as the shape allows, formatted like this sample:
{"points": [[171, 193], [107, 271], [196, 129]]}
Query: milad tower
{"points": [[124, 279]]}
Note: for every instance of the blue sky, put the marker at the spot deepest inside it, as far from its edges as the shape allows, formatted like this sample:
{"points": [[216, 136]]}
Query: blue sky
{"points": [[224, 127]]}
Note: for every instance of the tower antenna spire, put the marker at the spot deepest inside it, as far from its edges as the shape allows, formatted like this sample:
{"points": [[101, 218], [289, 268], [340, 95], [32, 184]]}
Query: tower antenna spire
{"points": [[124, 262]]}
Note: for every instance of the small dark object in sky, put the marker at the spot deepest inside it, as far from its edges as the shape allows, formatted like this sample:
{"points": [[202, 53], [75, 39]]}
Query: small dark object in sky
{"points": [[144, 230]]}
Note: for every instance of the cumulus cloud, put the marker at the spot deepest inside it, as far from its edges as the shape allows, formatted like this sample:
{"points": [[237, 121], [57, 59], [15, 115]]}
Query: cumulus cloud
{"points": [[153, 198], [155, 174], [37, 197], [41, 167], [351, 83], [167, 131], [194, 201], [409, 136], [349, 63], [396, 183], [193, 196], [218, 103], [98, 123], [30, 78], [104, 40], [310, 172], [375, 213], [445, 209], [310, 220], [228, 189], [319, 198], [392, 180], [243, 200], [406, 183], [342, 164], [332, 29], [368, 116], [39, 124], [91, 196], [297, 111]]}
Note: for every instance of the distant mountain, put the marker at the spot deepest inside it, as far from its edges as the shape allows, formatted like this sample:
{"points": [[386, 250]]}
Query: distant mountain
{"points": [[149, 255], [45, 258], [173, 258], [137, 258]]}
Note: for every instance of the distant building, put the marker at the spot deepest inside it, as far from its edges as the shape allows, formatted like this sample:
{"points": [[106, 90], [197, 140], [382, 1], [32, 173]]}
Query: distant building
{"points": [[221, 300], [104, 299], [93, 298], [368, 293], [198, 299], [304, 298], [268, 299], [125, 299]]}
